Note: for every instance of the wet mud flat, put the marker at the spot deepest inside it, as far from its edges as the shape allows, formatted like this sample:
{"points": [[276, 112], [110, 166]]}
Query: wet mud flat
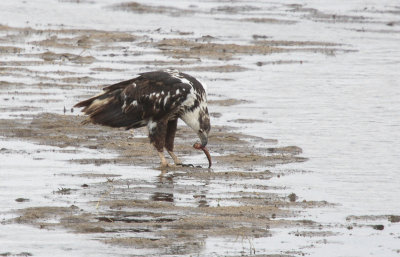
{"points": [[183, 207], [180, 210]]}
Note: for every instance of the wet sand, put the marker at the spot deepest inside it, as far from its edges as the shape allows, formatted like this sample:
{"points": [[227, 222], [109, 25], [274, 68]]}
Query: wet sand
{"points": [[150, 216], [153, 211]]}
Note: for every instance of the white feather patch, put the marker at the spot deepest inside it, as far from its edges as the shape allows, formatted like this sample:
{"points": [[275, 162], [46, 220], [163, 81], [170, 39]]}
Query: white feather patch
{"points": [[166, 99], [192, 119], [151, 125], [185, 81]]}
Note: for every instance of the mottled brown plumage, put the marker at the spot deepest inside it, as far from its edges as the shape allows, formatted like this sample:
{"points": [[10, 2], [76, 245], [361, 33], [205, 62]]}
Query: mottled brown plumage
{"points": [[156, 100]]}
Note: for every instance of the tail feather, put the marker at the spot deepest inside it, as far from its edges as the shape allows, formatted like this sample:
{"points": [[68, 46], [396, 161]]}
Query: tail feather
{"points": [[86, 102], [106, 109]]}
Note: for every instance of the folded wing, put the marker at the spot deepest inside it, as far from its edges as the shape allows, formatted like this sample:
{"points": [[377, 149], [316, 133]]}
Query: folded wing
{"points": [[132, 103]]}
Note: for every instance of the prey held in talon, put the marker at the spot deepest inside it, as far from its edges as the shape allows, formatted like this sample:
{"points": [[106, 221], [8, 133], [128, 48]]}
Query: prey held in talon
{"points": [[157, 100]]}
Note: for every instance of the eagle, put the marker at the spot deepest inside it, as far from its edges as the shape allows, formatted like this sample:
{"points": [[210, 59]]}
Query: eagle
{"points": [[155, 99]]}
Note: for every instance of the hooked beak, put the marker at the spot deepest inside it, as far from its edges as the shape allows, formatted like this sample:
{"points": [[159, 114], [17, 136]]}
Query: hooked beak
{"points": [[203, 138], [202, 146]]}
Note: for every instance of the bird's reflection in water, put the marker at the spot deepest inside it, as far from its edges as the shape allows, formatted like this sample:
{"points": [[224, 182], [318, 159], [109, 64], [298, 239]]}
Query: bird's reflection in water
{"points": [[202, 201], [163, 197], [165, 186], [201, 198]]}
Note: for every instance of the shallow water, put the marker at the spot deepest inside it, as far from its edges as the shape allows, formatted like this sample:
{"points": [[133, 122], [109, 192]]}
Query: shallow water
{"points": [[340, 106]]}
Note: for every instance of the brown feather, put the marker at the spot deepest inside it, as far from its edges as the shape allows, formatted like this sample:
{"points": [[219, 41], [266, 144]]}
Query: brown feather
{"points": [[156, 99], [131, 103]]}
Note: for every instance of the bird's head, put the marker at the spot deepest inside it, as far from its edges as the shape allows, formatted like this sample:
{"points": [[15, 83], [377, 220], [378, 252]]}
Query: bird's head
{"points": [[199, 121], [204, 128]]}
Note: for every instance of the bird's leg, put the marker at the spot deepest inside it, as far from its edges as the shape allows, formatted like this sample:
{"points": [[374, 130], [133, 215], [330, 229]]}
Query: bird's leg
{"points": [[169, 140], [175, 158], [157, 133], [164, 163]]}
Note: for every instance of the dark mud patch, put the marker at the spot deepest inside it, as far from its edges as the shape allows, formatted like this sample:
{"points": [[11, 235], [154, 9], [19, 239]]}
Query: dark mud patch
{"points": [[23, 254], [225, 175], [66, 131], [376, 222], [85, 40], [280, 62], [183, 48], [105, 69], [232, 9], [53, 57], [97, 175], [157, 224], [368, 217], [394, 218], [192, 48], [91, 175], [327, 48], [232, 148], [247, 121], [314, 233], [143, 8], [22, 200], [35, 215], [191, 204], [293, 150], [270, 21], [65, 38], [10, 50]]}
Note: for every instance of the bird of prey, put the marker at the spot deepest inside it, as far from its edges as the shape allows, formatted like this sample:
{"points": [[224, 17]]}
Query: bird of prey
{"points": [[157, 100]]}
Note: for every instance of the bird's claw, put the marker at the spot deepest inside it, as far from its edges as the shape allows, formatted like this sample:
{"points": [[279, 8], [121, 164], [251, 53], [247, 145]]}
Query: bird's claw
{"points": [[188, 165], [168, 165], [185, 165]]}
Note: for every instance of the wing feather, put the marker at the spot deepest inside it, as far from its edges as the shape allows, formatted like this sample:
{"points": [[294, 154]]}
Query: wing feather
{"points": [[132, 103], [154, 95]]}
